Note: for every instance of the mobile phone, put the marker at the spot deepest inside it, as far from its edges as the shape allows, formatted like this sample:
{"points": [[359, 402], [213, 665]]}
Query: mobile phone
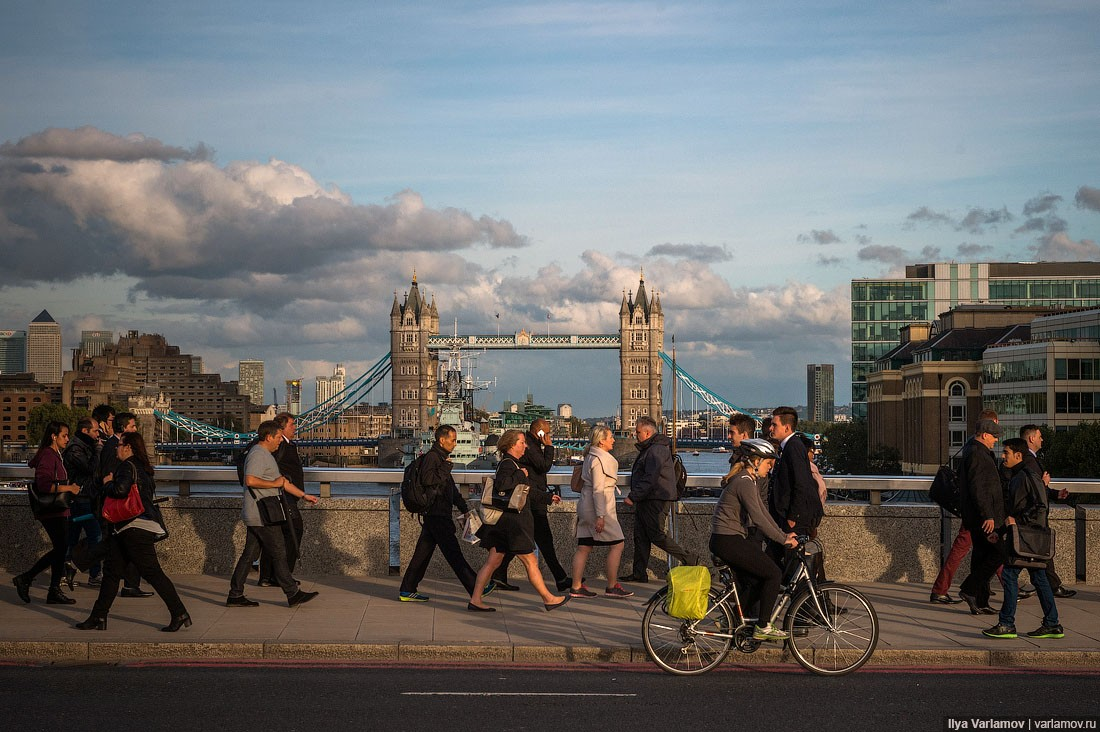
{"points": [[541, 434]]}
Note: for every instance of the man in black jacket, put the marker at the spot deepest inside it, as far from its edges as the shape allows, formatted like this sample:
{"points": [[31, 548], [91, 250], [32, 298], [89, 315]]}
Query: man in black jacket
{"points": [[538, 458], [794, 500], [983, 513], [81, 462], [1033, 436], [290, 465], [652, 494], [439, 527]]}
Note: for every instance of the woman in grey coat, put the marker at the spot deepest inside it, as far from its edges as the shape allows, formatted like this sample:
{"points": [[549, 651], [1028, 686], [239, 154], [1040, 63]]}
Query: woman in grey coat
{"points": [[597, 522]]}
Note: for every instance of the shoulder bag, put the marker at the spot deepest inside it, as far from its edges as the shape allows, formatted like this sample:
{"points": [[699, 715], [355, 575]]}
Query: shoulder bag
{"points": [[45, 504], [117, 510], [271, 508]]}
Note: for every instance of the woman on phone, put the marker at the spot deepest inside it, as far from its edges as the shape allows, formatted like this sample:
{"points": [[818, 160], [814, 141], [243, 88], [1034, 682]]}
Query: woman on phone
{"points": [[133, 539], [50, 477], [514, 532]]}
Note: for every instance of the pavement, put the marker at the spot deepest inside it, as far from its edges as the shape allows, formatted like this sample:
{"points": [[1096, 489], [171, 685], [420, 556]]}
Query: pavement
{"points": [[361, 619]]}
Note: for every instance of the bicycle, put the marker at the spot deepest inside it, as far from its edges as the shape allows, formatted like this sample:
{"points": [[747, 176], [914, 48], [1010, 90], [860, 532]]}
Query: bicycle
{"points": [[832, 628]]}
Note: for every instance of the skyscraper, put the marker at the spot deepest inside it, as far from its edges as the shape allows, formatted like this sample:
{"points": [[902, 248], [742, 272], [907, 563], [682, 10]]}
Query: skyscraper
{"points": [[294, 396], [330, 386], [819, 392], [44, 349], [13, 351], [92, 342], [250, 376]]}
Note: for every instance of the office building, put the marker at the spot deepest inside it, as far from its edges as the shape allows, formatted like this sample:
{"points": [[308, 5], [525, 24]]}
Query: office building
{"points": [[44, 349], [329, 386], [250, 377], [13, 351], [880, 307], [820, 401], [92, 342], [294, 396], [19, 394]]}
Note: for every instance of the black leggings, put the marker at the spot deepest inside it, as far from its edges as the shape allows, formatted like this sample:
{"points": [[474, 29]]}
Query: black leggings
{"points": [[57, 528], [750, 563]]}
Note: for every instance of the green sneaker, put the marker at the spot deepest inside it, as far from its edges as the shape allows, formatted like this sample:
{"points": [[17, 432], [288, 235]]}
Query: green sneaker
{"points": [[413, 597], [1048, 631], [1000, 630], [768, 633]]}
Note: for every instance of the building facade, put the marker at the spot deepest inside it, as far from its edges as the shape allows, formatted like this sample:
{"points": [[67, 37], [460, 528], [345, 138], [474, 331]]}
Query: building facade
{"points": [[642, 338], [329, 386], [44, 349], [250, 380], [820, 399], [880, 307], [19, 394], [415, 368], [92, 342], [294, 396], [13, 351]]}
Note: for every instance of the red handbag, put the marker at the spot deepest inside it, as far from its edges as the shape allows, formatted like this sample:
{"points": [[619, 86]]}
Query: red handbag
{"points": [[116, 510]]}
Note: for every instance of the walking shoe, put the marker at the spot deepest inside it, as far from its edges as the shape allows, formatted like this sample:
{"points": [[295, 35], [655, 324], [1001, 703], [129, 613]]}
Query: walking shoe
{"points": [[506, 586], [1048, 631], [768, 633], [135, 592], [57, 597], [581, 591], [22, 586], [564, 584], [1000, 630], [489, 588], [241, 601], [265, 583], [96, 582], [416, 597], [1024, 594], [634, 579], [1064, 593], [944, 599], [975, 609], [70, 575], [300, 598], [617, 592]]}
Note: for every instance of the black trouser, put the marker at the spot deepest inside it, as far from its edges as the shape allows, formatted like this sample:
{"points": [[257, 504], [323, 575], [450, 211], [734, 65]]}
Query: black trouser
{"points": [[544, 540], [270, 540], [57, 528], [984, 561], [1052, 577], [749, 592], [292, 539], [750, 563], [649, 531], [131, 576], [134, 547], [437, 531]]}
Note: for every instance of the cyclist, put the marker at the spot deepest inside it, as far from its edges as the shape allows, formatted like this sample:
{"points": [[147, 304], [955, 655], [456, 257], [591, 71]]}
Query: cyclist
{"points": [[738, 509]]}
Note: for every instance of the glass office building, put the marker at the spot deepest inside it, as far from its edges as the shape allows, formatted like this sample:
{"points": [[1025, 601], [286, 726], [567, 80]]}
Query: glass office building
{"points": [[13, 351], [880, 307]]}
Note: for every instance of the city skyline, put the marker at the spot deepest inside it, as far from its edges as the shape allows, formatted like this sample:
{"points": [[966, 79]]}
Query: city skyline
{"points": [[260, 188]]}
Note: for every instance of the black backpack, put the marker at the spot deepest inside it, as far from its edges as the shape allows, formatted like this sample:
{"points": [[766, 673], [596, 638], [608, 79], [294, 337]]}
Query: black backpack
{"points": [[681, 476], [416, 496], [945, 490]]}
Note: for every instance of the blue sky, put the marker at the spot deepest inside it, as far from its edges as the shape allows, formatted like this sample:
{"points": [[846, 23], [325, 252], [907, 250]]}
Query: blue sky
{"points": [[256, 179]]}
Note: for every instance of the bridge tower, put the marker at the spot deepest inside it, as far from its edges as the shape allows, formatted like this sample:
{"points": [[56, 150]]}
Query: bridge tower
{"points": [[642, 338], [415, 368]]}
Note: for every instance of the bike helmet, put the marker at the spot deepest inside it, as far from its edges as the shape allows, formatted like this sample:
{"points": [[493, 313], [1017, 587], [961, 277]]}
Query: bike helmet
{"points": [[758, 448]]}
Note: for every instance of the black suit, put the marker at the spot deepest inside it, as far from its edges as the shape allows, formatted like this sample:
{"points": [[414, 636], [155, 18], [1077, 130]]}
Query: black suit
{"points": [[982, 498], [538, 459], [290, 466], [1032, 463], [793, 496]]}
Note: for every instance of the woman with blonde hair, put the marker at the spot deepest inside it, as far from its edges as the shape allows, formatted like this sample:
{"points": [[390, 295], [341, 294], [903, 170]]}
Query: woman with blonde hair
{"points": [[597, 522], [514, 532]]}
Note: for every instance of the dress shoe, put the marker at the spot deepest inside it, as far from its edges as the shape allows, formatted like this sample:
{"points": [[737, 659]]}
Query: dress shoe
{"points": [[476, 609], [57, 597], [975, 609], [70, 575], [633, 579], [564, 584], [183, 620], [1064, 593], [135, 592], [1024, 594], [265, 583], [92, 623], [241, 601], [944, 599], [506, 586], [300, 598], [22, 586], [556, 605]]}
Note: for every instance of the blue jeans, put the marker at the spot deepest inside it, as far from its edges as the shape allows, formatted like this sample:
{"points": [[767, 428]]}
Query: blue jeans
{"points": [[82, 519], [1010, 578]]}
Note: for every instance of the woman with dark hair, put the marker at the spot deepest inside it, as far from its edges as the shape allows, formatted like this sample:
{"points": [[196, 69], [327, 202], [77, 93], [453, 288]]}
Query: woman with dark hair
{"points": [[50, 477], [133, 539], [514, 532]]}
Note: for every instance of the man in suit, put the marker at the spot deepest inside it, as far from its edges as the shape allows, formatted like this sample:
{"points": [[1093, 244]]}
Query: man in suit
{"points": [[794, 500], [538, 459], [983, 513], [1033, 436], [290, 465]]}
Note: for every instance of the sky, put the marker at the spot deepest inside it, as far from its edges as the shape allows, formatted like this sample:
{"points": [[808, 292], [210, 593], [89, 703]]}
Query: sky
{"points": [[257, 180]]}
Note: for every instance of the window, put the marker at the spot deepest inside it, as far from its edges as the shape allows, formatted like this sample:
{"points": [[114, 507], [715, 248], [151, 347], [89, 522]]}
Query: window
{"points": [[957, 412], [956, 389], [957, 438]]}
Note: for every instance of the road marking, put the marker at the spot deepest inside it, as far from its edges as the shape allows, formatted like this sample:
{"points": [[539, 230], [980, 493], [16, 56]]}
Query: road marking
{"points": [[504, 693]]}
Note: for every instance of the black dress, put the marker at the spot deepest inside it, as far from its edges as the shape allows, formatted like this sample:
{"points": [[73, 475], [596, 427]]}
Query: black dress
{"points": [[514, 532]]}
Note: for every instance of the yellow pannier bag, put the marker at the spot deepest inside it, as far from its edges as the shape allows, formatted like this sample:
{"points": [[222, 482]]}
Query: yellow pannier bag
{"points": [[688, 588]]}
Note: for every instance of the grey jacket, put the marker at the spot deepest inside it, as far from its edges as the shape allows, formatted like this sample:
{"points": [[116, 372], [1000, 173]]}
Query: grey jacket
{"points": [[739, 507]]}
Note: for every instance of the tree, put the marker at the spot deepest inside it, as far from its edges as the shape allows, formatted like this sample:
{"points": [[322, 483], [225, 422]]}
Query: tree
{"points": [[845, 448], [1073, 453], [43, 414]]}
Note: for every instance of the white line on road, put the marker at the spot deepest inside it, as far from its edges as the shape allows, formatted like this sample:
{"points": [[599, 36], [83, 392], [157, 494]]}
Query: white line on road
{"points": [[503, 693]]}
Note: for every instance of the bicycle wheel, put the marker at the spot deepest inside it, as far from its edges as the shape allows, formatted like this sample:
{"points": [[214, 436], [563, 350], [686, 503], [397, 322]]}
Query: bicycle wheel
{"points": [[836, 645], [681, 646]]}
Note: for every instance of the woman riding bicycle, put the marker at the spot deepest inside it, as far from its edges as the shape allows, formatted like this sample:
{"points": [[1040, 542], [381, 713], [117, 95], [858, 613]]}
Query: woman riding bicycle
{"points": [[739, 508]]}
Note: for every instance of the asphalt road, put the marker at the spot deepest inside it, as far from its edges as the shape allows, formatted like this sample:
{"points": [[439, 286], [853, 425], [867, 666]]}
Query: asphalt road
{"points": [[323, 697]]}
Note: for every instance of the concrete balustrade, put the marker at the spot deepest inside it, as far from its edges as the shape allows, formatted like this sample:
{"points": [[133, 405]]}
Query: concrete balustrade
{"points": [[865, 541]]}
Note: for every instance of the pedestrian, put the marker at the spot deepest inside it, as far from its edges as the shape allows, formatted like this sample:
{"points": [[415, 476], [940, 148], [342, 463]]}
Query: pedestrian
{"points": [[538, 459], [1033, 436], [82, 464], [597, 521], [133, 540], [1025, 506], [290, 465], [794, 499], [262, 479], [983, 513], [50, 477], [652, 493], [438, 529], [513, 533], [741, 428]]}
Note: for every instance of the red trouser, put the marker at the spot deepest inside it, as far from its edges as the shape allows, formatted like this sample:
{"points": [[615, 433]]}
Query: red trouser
{"points": [[959, 549]]}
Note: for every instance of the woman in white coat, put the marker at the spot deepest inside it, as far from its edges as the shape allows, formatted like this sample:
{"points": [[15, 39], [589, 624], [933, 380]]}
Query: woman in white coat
{"points": [[597, 522]]}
